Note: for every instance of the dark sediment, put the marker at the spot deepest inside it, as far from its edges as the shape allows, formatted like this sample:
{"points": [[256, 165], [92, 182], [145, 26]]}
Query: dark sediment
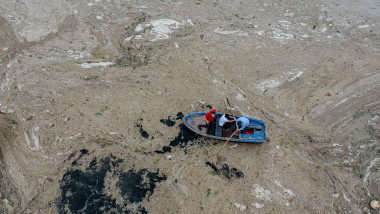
{"points": [[143, 133], [225, 171], [183, 138], [85, 191]]}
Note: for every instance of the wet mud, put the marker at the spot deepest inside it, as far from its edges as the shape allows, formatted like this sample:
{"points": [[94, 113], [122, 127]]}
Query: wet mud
{"points": [[310, 71]]}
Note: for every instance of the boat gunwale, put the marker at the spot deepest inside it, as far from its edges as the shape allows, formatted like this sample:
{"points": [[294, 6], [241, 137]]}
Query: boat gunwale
{"points": [[255, 141]]}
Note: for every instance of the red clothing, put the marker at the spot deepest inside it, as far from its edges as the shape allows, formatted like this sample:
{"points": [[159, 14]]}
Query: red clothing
{"points": [[208, 116]]}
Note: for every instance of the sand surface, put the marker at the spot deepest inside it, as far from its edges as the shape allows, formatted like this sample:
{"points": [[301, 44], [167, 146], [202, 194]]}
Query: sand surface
{"points": [[94, 93]]}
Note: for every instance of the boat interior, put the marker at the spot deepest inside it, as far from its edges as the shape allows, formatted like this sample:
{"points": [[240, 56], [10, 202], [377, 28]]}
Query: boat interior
{"points": [[214, 129]]}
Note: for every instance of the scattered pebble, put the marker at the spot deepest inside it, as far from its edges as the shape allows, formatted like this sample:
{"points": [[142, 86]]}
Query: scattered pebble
{"points": [[257, 205], [234, 146], [375, 204], [240, 206]]}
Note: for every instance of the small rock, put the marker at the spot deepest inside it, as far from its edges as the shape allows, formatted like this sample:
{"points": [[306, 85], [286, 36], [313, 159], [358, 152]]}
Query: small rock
{"points": [[375, 204], [240, 206], [234, 146], [257, 205]]}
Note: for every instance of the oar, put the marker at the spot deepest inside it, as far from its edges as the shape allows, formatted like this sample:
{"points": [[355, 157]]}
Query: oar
{"points": [[226, 141]]}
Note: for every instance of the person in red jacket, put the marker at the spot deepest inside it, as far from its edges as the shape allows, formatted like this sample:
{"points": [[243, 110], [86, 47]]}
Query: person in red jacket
{"points": [[210, 116]]}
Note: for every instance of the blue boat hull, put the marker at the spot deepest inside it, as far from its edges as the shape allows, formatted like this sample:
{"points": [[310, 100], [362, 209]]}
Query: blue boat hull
{"points": [[196, 120]]}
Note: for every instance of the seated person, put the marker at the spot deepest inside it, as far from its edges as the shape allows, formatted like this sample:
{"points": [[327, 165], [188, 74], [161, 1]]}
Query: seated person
{"points": [[242, 124], [225, 121], [210, 116]]}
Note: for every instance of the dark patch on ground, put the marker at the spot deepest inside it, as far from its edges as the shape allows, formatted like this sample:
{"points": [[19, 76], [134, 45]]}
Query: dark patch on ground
{"points": [[207, 106], [165, 149], [225, 171], [180, 116], [85, 191], [143, 133], [146, 183], [170, 121], [83, 152], [310, 139], [183, 138]]}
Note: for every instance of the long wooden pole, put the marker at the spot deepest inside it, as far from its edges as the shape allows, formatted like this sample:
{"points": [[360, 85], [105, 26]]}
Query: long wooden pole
{"points": [[226, 141]]}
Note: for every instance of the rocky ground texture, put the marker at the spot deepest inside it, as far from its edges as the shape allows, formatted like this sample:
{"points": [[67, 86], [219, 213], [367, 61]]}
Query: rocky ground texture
{"points": [[94, 92]]}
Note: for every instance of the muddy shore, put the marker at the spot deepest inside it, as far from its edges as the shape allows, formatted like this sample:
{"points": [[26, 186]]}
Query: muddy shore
{"points": [[94, 93]]}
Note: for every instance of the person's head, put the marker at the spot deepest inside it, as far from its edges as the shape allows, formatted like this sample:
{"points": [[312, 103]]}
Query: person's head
{"points": [[213, 112], [239, 124], [228, 116]]}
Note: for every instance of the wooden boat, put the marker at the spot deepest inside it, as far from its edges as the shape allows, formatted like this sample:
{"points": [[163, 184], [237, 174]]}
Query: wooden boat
{"points": [[255, 132]]}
